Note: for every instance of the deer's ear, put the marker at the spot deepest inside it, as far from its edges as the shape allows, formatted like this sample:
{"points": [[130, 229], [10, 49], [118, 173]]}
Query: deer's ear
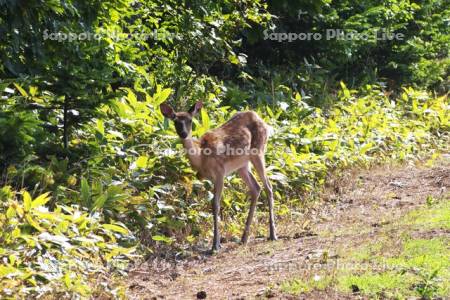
{"points": [[195, 108], [167, 111]]}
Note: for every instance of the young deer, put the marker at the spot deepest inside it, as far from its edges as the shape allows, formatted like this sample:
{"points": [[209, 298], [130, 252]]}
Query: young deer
{"points": [[224, 150]]}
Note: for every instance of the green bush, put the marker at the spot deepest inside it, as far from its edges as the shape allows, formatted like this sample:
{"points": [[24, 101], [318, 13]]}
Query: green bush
{"points": [[137, 176], [419, 56], [64, 251]]}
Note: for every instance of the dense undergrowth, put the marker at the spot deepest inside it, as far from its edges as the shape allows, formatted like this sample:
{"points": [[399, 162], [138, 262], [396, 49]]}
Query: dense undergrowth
{"points": [[138, 178], [59, 252]]}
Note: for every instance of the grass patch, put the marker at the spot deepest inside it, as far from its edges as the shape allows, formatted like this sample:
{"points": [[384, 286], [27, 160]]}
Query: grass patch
{"points": [[407, 266], [298, 286], [415, 267], [387, 284], [423, 253], [432, 217], [421, 269]]}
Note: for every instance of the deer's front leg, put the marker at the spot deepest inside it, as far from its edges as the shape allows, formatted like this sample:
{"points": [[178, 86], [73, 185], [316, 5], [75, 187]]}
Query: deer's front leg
{"points": [[218, 186]]}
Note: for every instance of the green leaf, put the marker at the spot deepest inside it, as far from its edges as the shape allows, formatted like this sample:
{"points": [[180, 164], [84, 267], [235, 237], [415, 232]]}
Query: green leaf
{"points": [[233, 59], [345, 90], [161, 96], [16, 232], [10, 212], [12, 259], [100, 126], [162, 238], [205, 119], [115, 228], [26, 200], [100, 201], [7, 271], [85, 193], [269, 112], [365, 148], [131, 97], [33, 223], [67, 280], [33, 90], [21, 90], [41, 200], [141, 162]]}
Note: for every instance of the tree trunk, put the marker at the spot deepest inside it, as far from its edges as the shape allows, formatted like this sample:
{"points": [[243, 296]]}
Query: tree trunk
{"points": [[65, 124]]}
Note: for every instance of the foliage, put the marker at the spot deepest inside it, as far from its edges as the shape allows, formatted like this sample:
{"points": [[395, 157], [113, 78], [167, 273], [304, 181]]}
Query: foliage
{"points": [[46, 53], [17, 132], [308, 142], [137, 173], [358, 130], [66, 58], [60, 251], [419, 56]]}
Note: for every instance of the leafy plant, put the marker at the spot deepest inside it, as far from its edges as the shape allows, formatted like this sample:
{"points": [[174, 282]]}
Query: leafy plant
{"points": [[57, 251]]}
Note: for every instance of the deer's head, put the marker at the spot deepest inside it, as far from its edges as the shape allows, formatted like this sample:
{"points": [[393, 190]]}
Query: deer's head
{"points": [[182, 120]]}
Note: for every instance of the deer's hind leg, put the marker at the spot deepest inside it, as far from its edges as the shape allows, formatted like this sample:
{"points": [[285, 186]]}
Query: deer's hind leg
{"points": [[254, 190], [259, 164], [218, 186]]}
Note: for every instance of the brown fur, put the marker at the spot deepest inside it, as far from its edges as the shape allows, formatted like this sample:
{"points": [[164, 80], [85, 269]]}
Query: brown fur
{"points": [[245, 130]]}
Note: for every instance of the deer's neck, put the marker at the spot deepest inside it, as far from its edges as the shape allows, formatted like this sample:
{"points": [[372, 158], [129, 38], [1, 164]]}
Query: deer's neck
{"points": [[193, 151]]}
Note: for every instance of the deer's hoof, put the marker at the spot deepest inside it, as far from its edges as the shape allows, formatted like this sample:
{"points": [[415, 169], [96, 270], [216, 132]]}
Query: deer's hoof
{"points": [[273, 237], [216, 248], [244, 239], [211, 252]]}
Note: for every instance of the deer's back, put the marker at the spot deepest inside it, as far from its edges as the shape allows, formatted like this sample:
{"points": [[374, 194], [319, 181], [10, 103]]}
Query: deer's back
{"points": [[245, 130]]}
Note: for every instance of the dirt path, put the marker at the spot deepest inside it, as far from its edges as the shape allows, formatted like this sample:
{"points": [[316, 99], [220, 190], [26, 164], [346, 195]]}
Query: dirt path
{"points": [[355, 207]]}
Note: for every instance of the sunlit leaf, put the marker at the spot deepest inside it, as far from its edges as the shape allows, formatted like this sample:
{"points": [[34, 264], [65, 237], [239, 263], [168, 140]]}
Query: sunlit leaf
{"points": [[115, 228], [41, 200], [162, 238], [26, 201]]}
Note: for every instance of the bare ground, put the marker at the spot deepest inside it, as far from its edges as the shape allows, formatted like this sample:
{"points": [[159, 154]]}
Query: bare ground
{"points": [[354, 208]]}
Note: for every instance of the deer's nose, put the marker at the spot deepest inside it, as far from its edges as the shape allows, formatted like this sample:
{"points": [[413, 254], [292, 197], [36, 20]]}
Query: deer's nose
{"points": [[183, 135]]}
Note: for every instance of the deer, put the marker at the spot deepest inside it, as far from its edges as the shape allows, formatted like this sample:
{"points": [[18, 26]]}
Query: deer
{"points": [[226, 149]]}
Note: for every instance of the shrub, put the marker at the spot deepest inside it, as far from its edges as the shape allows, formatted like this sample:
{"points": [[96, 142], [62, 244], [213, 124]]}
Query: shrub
{"points": [[64, 251]]}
